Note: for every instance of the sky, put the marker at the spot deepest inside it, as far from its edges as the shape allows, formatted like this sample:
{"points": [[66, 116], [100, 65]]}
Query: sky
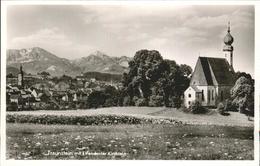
{"points": [[180, 33]]}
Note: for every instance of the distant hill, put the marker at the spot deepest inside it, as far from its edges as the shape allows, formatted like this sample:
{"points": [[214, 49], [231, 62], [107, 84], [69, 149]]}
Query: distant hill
{"points": [[103, 63], [36, 60], [103, 76]]}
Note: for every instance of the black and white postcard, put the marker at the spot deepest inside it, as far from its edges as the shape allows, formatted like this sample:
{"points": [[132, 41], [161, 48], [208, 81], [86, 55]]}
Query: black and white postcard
{"points": [[129, 81]]}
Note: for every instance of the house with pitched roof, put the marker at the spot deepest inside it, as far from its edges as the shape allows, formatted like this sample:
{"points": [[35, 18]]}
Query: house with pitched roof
{"points": [[212, 78]]}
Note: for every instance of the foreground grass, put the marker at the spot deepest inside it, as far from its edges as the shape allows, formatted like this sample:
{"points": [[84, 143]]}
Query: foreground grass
{"points": [[211, 118], [150, 141]]}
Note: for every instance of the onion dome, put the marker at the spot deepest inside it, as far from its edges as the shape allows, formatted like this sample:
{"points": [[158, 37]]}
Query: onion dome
{"points": [[228, 39]]}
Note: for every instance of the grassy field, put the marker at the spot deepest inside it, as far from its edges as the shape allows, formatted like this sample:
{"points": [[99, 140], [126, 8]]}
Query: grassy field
{"points": [[190, 142], [211, 118], [202, 137]]}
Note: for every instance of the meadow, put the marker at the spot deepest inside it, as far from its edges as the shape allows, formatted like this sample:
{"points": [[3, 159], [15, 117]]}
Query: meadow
{"points": [[168, 141]]}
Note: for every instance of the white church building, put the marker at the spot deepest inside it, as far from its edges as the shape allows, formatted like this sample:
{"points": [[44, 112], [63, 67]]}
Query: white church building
{"points": [[212, 78]]}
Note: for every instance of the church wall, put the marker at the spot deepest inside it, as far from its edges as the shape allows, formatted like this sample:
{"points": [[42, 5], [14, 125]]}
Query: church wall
{"points": [[212, 95], [189, 99], [223, 93], [204, 90], [208, 99]]}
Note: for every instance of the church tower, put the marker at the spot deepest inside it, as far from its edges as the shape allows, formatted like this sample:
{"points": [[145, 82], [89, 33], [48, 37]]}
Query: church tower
{"points": [[20, 77], [228, 48]]}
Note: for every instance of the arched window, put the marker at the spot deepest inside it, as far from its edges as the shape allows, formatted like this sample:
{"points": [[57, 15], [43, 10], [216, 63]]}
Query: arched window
{"points": [[202, 95], [212, 94], [209, 96]]}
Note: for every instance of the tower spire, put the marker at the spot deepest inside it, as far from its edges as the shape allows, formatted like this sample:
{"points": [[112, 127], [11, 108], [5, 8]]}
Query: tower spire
{"points": [[21, 68], [20, 77], [228, 27], [228, 48]]}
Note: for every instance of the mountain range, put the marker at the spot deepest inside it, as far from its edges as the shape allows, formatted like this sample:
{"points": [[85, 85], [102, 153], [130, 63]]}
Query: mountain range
{"points": [[36, 60]]}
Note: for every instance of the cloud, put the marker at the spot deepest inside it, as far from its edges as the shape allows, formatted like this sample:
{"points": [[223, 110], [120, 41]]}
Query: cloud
{"points": [[136, 18], [43, 37], [178, 32], [157, 42], [54, 40]]}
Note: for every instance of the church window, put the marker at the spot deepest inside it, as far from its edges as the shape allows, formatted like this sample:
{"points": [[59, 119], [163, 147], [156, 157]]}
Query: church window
{"points": [[189, 95], [189, 102], [209, 96], [202, 95], [212, 94]]}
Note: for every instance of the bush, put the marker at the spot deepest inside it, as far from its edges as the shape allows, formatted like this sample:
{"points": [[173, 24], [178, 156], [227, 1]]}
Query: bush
{"points": [[86, 120], [141, 102], [96, 99], [230, 106], [185, 109], [197, 108], [12, 106], [126, 101], [110, 102], [156, 101], [176, 102], [221, 108]]}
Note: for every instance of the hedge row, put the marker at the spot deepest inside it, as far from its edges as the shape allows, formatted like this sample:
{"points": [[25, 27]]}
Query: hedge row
{"points": [[86, 120]]}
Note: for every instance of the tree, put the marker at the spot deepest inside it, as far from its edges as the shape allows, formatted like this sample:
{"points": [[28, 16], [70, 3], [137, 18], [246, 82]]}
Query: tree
{"points": [[112, 96], [174, 84], [96, 99], [44, 74], [187, 70], [242, 95], [151, 75], [10, 75], [240, 74], [144, 69], [197, 108]]}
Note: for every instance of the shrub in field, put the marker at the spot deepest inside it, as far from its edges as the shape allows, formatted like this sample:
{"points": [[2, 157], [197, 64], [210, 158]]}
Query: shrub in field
{"points": [[185, 109], [96, 99], [221, 108], [126, 101], [12, 106], [156, 101], [176, 102], [134, 100], [197, 108], [229, 106], [85, 120], [109, 102], [141, 102]]}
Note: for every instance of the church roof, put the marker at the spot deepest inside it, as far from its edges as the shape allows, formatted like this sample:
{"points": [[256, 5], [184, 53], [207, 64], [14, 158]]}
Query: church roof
{"points": [[195, 88], [212, 71]]}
